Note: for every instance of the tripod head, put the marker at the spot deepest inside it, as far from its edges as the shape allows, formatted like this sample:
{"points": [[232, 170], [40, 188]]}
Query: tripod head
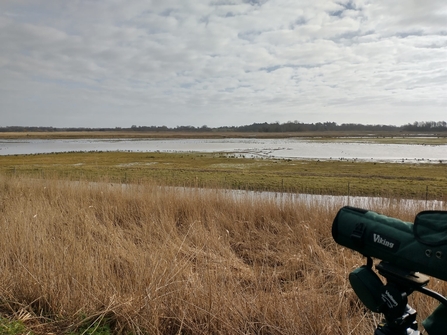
{"points": [[391, 299], [405, 325]]}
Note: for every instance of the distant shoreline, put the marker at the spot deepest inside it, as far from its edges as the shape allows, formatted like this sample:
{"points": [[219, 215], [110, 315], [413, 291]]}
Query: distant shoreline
{"points": [[110, 134]]}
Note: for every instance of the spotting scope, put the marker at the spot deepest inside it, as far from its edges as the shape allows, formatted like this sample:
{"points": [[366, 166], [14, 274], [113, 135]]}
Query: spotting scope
{"points": [[408, 254]]}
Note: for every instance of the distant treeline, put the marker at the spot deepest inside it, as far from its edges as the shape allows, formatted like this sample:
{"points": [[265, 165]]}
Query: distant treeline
{"points": [[424, 126]]}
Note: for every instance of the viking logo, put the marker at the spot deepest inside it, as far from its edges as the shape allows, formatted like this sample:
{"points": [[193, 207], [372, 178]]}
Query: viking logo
{"points": [[382, 241]]}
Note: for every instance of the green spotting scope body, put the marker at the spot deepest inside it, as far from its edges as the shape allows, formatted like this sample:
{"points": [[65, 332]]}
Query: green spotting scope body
{"points": [[420, 246]]}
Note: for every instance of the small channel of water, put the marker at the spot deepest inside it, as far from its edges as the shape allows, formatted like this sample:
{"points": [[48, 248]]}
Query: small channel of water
{"points": [[339, 201]]}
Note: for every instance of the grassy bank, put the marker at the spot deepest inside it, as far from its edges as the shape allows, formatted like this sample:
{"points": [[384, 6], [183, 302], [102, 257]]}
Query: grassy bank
{"points": [[103, 259], [429, 138], [422, 181]]}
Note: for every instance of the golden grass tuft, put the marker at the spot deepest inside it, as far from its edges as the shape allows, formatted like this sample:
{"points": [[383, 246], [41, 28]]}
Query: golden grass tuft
{"points": [[145, 259]]}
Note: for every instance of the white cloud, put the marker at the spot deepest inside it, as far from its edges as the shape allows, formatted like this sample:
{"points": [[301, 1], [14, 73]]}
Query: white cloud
{"points": [[223, 62]]}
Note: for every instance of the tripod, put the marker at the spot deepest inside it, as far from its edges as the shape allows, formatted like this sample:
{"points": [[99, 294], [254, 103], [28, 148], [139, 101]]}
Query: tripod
{"points": [[391, 299]]}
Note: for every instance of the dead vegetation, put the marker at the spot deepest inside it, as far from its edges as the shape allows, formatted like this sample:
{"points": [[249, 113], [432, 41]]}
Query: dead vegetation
{"points": [[143, 259]]}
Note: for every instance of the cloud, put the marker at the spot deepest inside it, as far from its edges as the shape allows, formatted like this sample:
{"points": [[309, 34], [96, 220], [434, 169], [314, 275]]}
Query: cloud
{"points": [[232, 62]]}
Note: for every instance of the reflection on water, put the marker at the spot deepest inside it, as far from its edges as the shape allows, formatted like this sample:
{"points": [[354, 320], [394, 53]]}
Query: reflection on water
{"points": [[331, 201], [289, 148]]}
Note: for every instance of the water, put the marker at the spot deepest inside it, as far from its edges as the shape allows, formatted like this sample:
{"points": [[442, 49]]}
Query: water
{"points": [[289, 148], [331, 201]]}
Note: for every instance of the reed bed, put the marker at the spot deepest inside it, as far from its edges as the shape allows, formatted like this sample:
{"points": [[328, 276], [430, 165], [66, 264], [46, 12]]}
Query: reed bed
{"points": [[80, 257]]}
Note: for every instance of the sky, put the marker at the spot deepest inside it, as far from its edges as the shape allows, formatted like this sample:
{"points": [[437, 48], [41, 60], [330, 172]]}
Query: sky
{"points": [[118, 63]]}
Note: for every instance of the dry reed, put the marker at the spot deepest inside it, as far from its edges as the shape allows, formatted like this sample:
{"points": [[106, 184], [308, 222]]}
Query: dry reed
{"points": [[145, 259]]}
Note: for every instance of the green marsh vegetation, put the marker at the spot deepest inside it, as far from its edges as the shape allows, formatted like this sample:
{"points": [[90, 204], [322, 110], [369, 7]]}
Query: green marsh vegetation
{"points": [[333, 177]]}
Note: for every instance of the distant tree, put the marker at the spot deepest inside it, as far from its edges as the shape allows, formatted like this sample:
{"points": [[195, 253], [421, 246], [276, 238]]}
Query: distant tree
{"points": [[424, 126]]}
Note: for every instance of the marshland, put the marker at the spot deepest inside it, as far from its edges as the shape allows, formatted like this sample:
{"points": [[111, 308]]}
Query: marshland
{"points": [[96, 243]]}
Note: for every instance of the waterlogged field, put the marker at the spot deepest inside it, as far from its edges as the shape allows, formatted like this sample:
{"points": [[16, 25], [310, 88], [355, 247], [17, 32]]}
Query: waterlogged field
{"points": [[318, 148], [100, 258], [337, 177]]}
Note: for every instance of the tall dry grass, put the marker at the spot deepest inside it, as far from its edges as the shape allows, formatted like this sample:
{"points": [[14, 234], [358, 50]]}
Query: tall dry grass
{"points": [[151, 260]]}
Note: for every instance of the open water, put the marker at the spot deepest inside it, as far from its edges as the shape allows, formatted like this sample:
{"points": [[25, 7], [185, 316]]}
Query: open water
{"points": [[289, 148]]}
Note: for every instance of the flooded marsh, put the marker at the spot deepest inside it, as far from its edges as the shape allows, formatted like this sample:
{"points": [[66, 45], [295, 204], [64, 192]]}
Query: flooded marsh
{"points": [[285, 148]]}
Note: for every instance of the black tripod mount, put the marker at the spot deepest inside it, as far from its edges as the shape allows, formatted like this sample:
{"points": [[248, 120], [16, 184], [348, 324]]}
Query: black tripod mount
{"points": [[399, 317]]}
